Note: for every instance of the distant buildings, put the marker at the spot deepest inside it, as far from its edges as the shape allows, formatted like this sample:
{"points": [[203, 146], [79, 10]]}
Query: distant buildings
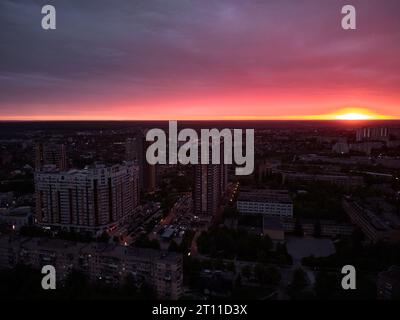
{"points": [[264, 168], [367, 140], [366, 147], [88, 200], [376, 227], [372, 133], [266, 202], [107, 263], [387, 162], [341, 148], [388, 284], [50, 154], [335, 179]]}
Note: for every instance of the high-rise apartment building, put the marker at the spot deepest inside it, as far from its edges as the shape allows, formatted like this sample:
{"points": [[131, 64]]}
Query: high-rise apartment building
{"points": [[210, 184], [207, 189], [50, 154], [91, 199], [131, 149], [135, 150], [373, 133]]}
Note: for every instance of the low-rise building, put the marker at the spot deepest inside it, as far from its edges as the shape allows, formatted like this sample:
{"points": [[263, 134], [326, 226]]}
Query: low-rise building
{"points": [[16, 218], [265, 202], [344, 181], [108, 263], [341, 148], [375, 227], [328, 228], [366, 147]]}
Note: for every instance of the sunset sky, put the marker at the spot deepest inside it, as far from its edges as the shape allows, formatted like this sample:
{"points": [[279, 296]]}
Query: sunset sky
{"points": [[200, 59]]}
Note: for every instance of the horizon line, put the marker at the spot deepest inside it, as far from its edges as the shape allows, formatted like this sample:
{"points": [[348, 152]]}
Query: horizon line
{"points": [[199, 120]]}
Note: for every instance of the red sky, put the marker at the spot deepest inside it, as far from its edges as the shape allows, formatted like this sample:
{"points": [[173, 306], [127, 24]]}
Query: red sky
{"points": [[199, 60]]}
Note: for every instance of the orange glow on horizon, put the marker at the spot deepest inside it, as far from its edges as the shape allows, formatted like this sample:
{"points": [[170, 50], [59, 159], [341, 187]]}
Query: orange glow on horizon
{"points": [[347, 114], [355, 114]]}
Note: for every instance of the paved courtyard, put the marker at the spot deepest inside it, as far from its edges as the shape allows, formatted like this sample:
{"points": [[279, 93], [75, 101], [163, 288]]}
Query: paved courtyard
{"points": [[303, 247]]}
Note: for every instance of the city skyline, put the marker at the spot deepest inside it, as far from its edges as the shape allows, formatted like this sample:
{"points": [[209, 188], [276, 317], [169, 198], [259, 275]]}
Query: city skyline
{"points": [[78, 199], [199, 157], [214, 60]]}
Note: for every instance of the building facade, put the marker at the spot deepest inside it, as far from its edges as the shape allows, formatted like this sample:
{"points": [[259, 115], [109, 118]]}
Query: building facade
{"points": [[135, 150], [50, 154], [344, 181], [107, 263], [372, 133], [210, 184], [88, 200], [328, 228], [207, 189], [375, 227], [16, 218], [266, 202]]}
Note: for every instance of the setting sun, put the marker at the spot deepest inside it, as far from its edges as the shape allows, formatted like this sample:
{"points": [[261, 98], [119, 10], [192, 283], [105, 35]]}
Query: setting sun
{"points": [[346, 114], [354, 116]]}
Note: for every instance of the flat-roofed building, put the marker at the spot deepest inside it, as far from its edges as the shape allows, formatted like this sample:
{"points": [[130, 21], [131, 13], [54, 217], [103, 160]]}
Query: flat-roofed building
{"points": [[16, 218], [107, 263], [340, 180], [375, 227], [265, 202], [328, 228]]}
